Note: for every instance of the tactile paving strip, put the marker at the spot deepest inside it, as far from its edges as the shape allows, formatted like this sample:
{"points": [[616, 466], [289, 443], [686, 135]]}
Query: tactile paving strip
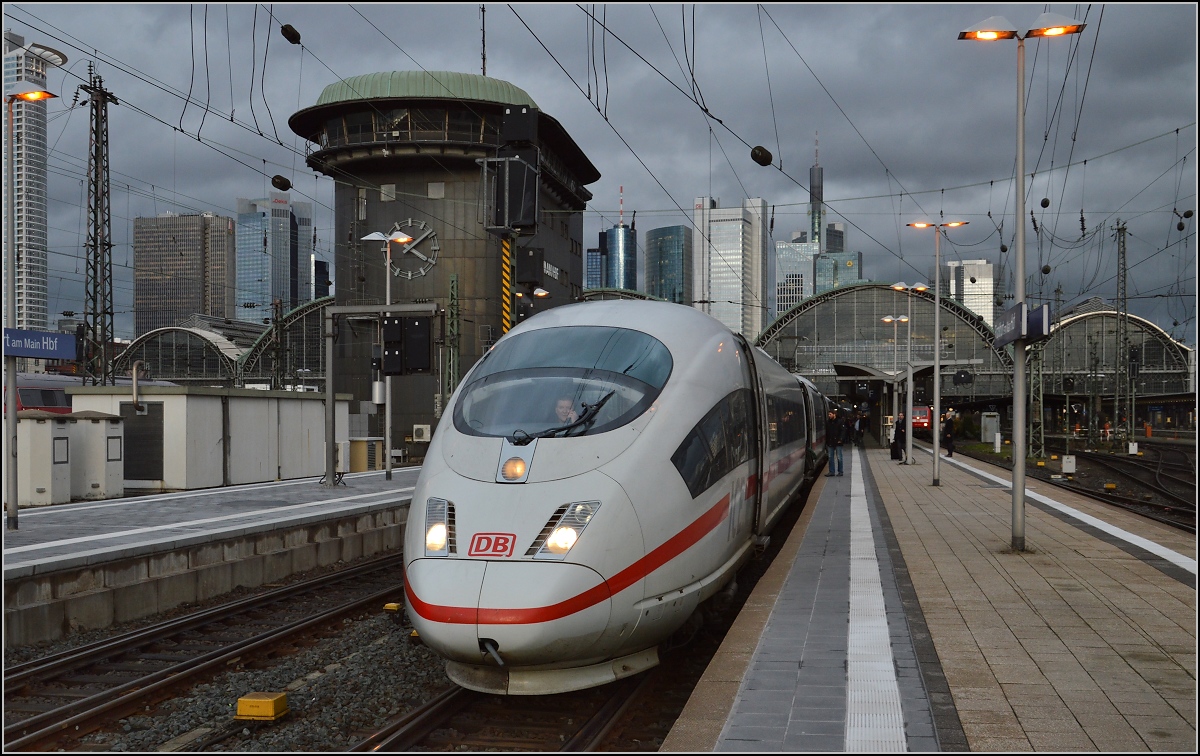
{"points": [[874, 718]]}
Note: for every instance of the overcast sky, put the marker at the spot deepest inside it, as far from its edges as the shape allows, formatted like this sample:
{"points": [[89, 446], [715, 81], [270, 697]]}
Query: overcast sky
{"points": [[912, 123]]}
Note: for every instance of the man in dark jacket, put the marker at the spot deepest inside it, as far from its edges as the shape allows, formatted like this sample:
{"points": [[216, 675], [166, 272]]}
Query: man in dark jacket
{"points": [[901, 437], [835, 437], [948, 436]]}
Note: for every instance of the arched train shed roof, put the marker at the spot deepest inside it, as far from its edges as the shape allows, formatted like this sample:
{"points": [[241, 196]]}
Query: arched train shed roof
{"points": [[168, 355], [840, 334]]}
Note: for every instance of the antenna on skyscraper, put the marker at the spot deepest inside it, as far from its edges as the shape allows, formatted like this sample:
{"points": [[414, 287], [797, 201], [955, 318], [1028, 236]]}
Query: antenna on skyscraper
{"points": [[621, 208], [816, 148]]}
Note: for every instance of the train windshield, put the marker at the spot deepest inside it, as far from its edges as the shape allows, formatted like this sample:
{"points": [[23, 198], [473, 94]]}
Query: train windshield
{"points": [[562, 382]]}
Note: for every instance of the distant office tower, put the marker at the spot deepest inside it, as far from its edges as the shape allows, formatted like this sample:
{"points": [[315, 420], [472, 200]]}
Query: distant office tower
{"points": [[669, 263], [319, 277], [972, 283], [793, 273], [593, 275], [274, 236], [835, 237], [733, 278], [799, 237], [816, 205], [182, 265], [834, 269], [25, 70], [620, 261]]}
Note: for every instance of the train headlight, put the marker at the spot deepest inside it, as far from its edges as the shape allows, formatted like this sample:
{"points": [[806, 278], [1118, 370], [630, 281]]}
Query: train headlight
{"points": [[563, 530], [439, 527], [562, 539], [514, 469], [435, 539]]}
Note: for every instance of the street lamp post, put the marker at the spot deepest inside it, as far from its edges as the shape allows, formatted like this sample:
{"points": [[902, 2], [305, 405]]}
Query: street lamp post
{"points": [[908, 401], [936, 412], [894, 319], [395, 235], [32, 94], [998, 27]]}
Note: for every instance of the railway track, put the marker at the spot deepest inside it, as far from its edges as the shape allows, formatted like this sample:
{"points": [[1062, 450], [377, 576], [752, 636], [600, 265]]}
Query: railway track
{"points": [[51, 701], [1166, 507], [1180, 492], [464, 720]]}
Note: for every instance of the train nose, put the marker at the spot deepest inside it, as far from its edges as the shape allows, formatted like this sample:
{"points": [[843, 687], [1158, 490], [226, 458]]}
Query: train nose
{"points": [[521, 613]]}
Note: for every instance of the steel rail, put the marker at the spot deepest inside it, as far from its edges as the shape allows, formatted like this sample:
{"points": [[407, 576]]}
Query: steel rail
{"points": [[136, 690], [402, 734], [17, 674]]}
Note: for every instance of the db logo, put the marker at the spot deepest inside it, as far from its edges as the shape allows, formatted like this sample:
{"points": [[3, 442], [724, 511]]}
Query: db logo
{"points": [[492, 544]]}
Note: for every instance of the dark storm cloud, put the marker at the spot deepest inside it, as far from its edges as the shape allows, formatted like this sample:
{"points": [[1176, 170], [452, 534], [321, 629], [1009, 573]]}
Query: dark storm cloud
{"points": [[904, 110]]}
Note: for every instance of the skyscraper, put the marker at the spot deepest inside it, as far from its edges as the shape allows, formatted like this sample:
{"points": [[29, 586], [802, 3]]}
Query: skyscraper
{"points": [[972, 283], [834, 269], [669, 263], [620, 262], [835, 237], [274, 244], [25, 67], [593, 275], [182, 265], [319, 282], [731, 263], [793, 273]]}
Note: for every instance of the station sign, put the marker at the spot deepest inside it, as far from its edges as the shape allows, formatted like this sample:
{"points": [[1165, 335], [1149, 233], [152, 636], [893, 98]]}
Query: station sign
{"points": [[1019, 322], [40, 344], [1013, 324], [1039, 324]]}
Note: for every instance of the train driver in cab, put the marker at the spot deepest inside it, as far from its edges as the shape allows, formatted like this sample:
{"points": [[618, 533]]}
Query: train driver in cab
{"points": [[564, 410]]}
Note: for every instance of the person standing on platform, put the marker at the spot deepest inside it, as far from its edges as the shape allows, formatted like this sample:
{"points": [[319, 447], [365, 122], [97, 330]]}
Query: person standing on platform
{"points": [[835, 436], [901, 438], [948, 436]]}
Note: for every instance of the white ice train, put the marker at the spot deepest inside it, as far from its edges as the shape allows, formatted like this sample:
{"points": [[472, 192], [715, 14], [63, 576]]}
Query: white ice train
{"points": [[553, 548]]}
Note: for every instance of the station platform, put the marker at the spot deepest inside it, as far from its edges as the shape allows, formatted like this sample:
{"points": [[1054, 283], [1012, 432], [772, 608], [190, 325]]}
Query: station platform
{"points": [[88, 565], [897, 617]]}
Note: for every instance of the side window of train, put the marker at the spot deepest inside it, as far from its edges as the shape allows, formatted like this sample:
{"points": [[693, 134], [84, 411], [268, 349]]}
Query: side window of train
{"points": [[787, 421], [773, 421], [719, 443]]}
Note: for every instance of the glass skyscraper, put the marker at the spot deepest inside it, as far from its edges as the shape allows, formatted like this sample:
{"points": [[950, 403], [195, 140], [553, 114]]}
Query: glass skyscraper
{"points": [[669, 264], [274, 245], [733, 275], [25, 68], [793, 273], [593, 276], [835, 237], [834, 269], [620, 263]]}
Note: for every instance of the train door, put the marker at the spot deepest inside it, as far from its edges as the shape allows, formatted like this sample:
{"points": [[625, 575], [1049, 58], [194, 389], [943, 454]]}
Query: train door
{"points": [[758, 436], [810, 454]]}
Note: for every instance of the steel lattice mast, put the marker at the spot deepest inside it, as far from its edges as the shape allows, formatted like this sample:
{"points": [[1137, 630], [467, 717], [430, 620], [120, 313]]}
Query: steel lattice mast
{"points": [[98, 304], [1122, 403]]}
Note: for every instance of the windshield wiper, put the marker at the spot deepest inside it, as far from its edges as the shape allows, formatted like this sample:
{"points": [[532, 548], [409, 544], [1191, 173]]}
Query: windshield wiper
{"points": [[588, 418]]}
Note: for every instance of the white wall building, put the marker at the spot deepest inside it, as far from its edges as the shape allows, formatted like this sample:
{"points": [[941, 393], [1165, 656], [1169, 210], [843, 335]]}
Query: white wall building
{"points": [[734, 273], [972, 283], [793, 273]]}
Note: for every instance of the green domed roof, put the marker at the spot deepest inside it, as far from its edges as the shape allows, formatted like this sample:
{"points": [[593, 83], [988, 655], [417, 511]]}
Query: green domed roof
{"points": [[438, 85]]}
